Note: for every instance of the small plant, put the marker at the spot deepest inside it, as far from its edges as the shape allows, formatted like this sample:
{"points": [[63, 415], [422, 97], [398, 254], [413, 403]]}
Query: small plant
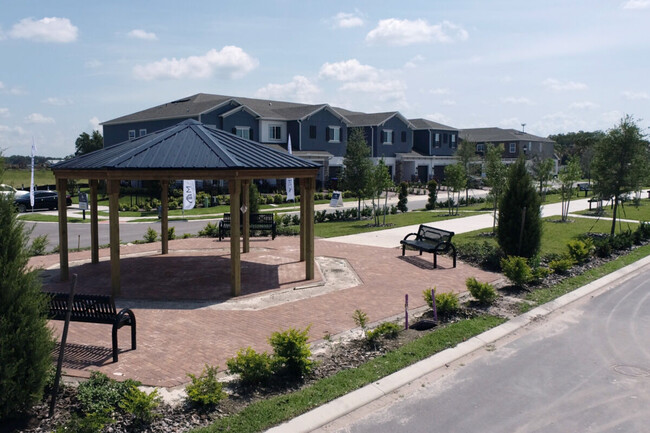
{"points": [[484, 293], [517, 270], [580, 250], [386, 329], [253, 368], [210, 230], [291, 351], [37, 248], [205, 390], [151, 235], [140, 404], [539, 273], [100, 393], [447, 304], [360, 319], [622, 241], [561, 265], [171, 233], [90, 423]]}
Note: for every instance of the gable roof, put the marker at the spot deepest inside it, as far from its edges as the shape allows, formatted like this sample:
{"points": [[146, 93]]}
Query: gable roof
{"points": [[430, 124], [485, 135], [187, 145], [374, 119]]}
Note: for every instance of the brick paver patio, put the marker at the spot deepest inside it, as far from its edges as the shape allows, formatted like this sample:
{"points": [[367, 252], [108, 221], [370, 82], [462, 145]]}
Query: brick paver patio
{"points": [[178, 330]]}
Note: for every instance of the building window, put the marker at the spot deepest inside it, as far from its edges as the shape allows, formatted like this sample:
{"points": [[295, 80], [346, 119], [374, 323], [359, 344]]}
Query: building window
{"points": [[513, 147], [243, 132], [453, 140], [143, 132], [480, 147], [312, 131], [437, 140], [275, 132], [131, 134], [387, 136], [333, 134]]}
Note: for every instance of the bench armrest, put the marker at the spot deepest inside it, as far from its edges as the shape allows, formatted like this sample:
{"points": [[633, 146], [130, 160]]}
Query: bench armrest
{"points": [[410, 234]]}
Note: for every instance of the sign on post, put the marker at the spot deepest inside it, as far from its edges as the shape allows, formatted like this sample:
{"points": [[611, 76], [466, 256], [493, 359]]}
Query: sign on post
{"points": [[337, 199], [83, 201]]}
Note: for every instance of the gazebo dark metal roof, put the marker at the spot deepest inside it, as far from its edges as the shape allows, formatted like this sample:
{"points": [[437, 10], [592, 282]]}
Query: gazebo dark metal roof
{"points": [[187, 145]]}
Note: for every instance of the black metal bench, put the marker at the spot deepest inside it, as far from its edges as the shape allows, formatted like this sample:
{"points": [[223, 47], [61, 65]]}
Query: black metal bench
{"points": [[93, 309], [431, 240], [258, 221]]}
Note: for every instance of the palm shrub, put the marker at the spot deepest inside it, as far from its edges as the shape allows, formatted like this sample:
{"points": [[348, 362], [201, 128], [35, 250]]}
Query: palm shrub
{"points": [[25, 339], [517, 270], [484, 293], [520, 202]]}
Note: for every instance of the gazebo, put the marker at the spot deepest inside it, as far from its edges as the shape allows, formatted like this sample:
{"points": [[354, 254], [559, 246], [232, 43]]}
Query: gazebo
{"points": [[188, 150]]}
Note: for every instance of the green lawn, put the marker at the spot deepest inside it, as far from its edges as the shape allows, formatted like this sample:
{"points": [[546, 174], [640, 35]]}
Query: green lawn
{"points": [[627, 211], [555, 236], [50, 218], [19, 177]]}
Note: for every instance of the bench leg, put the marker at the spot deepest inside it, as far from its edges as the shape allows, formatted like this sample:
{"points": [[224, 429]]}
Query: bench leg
{"points": [[454, 259], [435, 260], [403, 247], [115, 348], [420, 252]]}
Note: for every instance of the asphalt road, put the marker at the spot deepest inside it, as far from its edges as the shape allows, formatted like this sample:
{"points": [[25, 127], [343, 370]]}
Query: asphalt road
{"points": [[585, 368]]}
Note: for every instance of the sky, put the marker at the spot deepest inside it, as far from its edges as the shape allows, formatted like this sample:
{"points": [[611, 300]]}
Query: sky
{"points": [[555, 66]]}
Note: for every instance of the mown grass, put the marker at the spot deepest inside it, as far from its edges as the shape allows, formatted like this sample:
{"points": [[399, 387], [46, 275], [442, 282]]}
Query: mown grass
{"points": [[19, 177], [627, 211], [267, 413], [40, 218], [555, 235]]}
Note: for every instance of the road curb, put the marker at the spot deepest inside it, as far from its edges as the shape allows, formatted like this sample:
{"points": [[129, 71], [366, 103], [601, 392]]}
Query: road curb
{"points": [[341, 406]]}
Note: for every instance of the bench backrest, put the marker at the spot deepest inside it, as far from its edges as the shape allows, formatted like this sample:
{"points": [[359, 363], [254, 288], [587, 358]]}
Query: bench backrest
{"points": [[256, 218], [85, 308], [432, 234]]}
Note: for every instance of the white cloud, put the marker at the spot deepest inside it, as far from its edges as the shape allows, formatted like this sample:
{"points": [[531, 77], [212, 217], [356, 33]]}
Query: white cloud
{"points": [[440, 91], [53, 29], [4, 112], [93, 64], [94, 122], [514, 100], [300, 89], [57, 101], [2, 86], [637, 4], [347, 20], [142, 34], [449, 102], [393, 31], [438, 117], [38, 118], [379, 86], [348, 70], [635, 95], [584, 105], [230, 62], [612, 117], [413, 63], [558, 85]]}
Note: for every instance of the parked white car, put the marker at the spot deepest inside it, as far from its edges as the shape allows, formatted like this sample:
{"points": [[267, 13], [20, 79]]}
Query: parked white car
{"points": [[8, 189]]}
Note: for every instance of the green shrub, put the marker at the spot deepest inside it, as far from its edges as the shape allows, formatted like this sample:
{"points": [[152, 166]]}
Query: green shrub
{"points": [[360, 319], [205, 390], [151, 235], [100, 393], [25, 337], [447, 304], [291, 351], [385, 329], [539, 273], [432, 187], [487, 255], [517, 270], [140, 404], [580, 250], [622, 241], [603, 247], [210, 230], [644, 230], [90, 423], [38, 246], [484, 293], [253, 368], [561, 266], [403, 197], [171, 233]]}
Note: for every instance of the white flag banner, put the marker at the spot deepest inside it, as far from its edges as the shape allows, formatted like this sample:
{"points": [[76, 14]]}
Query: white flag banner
{"points": [[189, 194], [31, 184], [291, 194]]}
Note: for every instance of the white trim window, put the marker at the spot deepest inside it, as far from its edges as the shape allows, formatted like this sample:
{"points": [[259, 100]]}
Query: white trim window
{"points": [[436, 140], [143, 132], [243, 132], [480, 147], [333, 134], [453, 141], [513, 147], [387, 136], [275, 132], [131, 134]]}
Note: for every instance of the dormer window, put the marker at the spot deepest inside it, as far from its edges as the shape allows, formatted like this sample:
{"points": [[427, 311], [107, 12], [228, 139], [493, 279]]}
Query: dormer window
{"points": [[243, 132], [275, 132], [333, 134], [131, 134], [143, 132]]}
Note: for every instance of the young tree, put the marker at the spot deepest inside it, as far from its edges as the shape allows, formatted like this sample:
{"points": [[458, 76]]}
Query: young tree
{"points": [[356, 166], [403, 197], [520, 221], [380, 181], [456, 181], [620, 162], [432, 187], [465, 156], [86, 144], [569, 175], [496, 173], [542, 172], [25, 339]]}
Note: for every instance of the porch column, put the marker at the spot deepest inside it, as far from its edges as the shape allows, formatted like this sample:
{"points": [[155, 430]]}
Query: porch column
{"points": [[164, 220], [303, 220], [246, 223], [94, 222], [61, 186], [114, 234], [234, 185], [309, 227]]}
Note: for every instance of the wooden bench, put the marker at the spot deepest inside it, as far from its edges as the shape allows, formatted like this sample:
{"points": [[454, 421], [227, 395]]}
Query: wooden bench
{"points": [[258, 221], [431, 240], [93, 309]]}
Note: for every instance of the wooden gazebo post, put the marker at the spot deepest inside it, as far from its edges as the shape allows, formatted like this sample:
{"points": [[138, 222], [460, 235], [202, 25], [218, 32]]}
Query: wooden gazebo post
{"points": [[234, 186], [61, 186], [94, 222], [164, 220], [114, 233], [246, 223]]}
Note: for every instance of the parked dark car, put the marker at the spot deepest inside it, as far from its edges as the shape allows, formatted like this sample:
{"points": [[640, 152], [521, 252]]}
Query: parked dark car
{"points": [[42, 200]]}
